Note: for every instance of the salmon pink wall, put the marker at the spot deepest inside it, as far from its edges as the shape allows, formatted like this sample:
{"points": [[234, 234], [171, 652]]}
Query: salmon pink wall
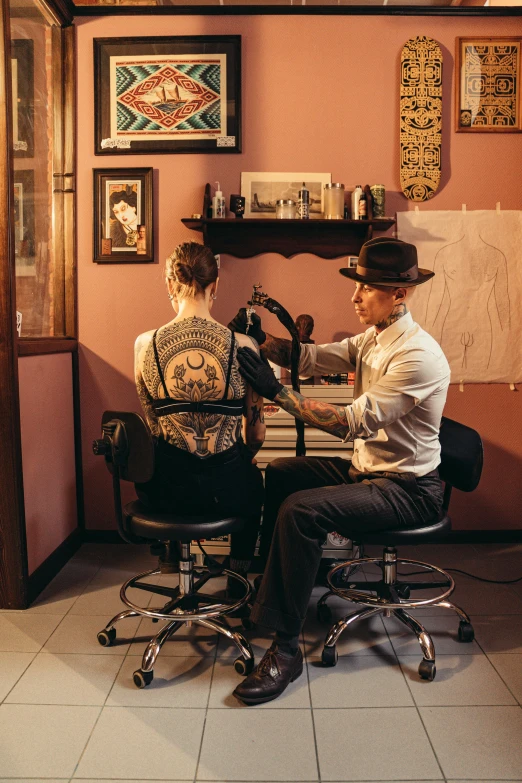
{"points": [[319, 94], [47, 425]]}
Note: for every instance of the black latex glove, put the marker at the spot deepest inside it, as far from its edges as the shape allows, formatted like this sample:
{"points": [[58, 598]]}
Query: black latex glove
{"points": [[258, 373], [239, 324]]}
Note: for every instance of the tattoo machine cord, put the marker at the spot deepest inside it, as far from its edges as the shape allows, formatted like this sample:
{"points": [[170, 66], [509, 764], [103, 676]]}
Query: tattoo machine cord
{"points": [[473, 576], [259, 298], [214, 566]]}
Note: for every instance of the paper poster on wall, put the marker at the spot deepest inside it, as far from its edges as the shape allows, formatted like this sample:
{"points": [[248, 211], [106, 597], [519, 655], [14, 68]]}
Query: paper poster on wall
{"points": [[473, 305]]}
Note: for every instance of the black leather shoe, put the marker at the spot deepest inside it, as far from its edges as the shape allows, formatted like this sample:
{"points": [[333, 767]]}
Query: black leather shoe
{"points": [[271, 677]]}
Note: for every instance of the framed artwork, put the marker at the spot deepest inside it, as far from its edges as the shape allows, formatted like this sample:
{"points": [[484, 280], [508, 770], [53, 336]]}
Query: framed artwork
{"points": [[22, 75], [488, 85], [262, 189], [167, 94], [25, 259], [123, 229]]}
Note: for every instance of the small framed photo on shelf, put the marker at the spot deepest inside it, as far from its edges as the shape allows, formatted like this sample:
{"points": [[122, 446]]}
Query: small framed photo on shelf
{"points": [[123, 229], [167, 94], [487, 89], [262, 189]]}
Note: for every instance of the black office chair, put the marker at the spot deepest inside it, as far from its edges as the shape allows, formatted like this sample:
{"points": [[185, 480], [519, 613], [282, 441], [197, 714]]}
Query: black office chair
{"points": [[129, 454], [461, 467]]}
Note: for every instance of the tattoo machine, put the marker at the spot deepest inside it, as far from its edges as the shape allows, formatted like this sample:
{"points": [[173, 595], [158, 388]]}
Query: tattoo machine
{"points": [[256, 300]]}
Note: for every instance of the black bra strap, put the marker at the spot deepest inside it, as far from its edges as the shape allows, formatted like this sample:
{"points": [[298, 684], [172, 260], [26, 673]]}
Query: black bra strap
{"points": [[229, 368], [160, 371]]}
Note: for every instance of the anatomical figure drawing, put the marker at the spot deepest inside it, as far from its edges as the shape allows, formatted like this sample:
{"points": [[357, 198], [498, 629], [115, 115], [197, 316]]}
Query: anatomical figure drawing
{"points": [[471, 306]]}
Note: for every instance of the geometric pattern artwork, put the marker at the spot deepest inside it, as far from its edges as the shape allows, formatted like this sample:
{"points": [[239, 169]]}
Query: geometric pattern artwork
{"points": [[162, 96], [421, 118], [488, 75]]}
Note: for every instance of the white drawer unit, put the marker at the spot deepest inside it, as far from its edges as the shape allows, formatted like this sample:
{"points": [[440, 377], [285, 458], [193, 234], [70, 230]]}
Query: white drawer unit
{"points": [[280, 428]]}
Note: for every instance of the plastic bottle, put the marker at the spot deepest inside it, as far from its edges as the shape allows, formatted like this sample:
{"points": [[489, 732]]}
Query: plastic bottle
{"points": [[363, 211], [355, 202], [218, 203], [303, 203]]}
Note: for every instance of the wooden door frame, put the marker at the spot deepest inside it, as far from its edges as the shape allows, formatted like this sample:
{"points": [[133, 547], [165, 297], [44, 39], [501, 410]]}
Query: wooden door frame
{"points": [[13, 544]]}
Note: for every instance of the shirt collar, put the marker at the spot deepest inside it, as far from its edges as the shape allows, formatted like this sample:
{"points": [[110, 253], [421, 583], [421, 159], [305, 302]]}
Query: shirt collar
{"points": [[394, 331]]}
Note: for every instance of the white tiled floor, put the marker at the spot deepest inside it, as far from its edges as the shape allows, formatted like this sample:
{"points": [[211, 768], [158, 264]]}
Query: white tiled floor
{"points": [[69, 710]]}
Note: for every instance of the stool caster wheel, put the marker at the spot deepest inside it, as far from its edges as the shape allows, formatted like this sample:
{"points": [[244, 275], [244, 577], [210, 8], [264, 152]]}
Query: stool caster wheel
{"points": [[403, 591], [106, 638], [142, 679], [243, 665], [427, 670], [324, 613], [466, 632], [329, 656]]}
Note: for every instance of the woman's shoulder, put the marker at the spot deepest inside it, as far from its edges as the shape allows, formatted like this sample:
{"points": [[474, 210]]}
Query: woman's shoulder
{"points": [[143, 340], [245, 341]]}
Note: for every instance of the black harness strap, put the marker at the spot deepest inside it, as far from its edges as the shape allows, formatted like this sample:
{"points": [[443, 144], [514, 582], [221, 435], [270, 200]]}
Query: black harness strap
{"points": [[168, 405], [158, 365]]}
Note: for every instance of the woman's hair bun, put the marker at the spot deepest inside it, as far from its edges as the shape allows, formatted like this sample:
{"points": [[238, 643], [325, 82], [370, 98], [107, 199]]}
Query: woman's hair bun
{"points": [[184, 273]]}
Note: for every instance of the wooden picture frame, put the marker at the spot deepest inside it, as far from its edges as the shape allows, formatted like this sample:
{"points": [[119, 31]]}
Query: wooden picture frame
{"points": [[123, 218], [487, 85], [22, 76], [262, 189], [178, 94]]}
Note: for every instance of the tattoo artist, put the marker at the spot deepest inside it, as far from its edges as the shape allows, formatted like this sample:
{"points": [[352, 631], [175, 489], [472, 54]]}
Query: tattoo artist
{"points": [[401, 382]]}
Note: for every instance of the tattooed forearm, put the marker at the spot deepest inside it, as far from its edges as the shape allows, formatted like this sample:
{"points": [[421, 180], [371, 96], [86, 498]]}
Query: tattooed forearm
{"points": [[278, 350], [398, 311], [330, 418], [257, 415]]}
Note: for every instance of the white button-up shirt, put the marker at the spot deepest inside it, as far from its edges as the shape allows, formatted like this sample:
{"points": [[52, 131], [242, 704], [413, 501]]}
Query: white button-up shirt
{"points": [[401, 383]]}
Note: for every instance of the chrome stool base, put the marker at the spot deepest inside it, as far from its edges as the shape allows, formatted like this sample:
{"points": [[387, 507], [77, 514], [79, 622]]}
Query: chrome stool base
{"points": [[183, 608], [391, 599]]}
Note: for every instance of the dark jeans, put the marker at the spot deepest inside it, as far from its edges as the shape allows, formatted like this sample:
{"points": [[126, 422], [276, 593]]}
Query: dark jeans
{"points": [[308, 497], [226, 484]]}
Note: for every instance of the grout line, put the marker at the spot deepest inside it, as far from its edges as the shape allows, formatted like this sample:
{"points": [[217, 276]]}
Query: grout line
{"points": [[196, 770], [519, 702], [417, 708], [2, 701], [96, 721], [313, 721]]}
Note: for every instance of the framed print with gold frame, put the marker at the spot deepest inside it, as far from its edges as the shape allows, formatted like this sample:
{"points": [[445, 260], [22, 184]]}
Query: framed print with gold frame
{"points": [[123, 229], [487, 89]]}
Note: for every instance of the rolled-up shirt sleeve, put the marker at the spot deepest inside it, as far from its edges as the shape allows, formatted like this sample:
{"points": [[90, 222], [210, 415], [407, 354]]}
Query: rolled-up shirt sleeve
{"points": [[409, 380], [328, 358]]}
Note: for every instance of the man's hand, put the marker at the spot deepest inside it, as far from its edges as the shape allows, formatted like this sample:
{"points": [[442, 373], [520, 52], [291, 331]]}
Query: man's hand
{"points": [[258, 374], [239, 324]]}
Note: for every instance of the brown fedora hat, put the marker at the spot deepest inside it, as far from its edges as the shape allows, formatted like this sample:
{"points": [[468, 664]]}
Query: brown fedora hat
{"points": [[387, 261]]}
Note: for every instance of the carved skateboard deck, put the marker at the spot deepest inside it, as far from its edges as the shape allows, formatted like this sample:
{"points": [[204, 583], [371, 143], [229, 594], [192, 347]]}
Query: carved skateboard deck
{"points": [[421, 118]]}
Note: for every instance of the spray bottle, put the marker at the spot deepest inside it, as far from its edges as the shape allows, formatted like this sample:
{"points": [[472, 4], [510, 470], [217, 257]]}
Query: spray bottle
{"points": [[218, 203]]}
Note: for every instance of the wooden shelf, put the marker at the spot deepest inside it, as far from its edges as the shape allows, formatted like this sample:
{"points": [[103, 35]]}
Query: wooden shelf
{"points": [[247, 237]]}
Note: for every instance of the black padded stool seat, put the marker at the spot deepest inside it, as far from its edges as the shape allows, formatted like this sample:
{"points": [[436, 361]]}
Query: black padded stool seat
{"points": [[407, 535], [143, 521]]}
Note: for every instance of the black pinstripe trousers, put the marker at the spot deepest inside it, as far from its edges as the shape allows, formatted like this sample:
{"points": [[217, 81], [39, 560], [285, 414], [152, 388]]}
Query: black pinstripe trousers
{"points": [[308, 497]]}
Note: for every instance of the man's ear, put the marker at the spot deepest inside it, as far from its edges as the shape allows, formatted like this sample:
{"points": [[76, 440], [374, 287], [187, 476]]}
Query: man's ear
{"points": [[400, 295]]}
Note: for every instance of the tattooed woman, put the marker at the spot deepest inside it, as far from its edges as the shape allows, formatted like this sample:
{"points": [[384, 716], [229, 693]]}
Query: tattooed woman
{"points": [[207, 420]]}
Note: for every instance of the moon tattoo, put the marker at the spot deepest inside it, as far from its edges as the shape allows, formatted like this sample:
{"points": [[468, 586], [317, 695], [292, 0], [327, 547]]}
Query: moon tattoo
{"points": [[198, 366]]}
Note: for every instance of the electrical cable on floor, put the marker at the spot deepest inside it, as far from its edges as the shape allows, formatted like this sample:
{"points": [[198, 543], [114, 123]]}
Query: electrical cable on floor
{"points": [[473, 576]]}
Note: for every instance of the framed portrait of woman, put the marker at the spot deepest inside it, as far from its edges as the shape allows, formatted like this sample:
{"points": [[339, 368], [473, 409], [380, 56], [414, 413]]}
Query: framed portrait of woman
{"points": [[123, 230]]}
